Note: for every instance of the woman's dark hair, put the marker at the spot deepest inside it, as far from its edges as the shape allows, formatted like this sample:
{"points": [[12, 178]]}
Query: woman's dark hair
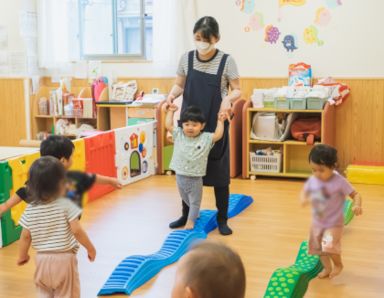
{"points": [[323, 155], [57, 146], [208, 27], [45, 176], [194, 114]]}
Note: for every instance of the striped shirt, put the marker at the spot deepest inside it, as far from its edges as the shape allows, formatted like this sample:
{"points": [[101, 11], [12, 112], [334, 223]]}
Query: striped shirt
{"points": [[211, 66], [49, 225]]}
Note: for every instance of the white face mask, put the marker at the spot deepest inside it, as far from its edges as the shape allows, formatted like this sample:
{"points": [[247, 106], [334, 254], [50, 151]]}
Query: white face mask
{"points": [[204, 47]]}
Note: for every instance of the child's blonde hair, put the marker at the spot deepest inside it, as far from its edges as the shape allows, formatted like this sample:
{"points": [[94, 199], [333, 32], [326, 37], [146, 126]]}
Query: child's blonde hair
{"points": [[213, 270]]}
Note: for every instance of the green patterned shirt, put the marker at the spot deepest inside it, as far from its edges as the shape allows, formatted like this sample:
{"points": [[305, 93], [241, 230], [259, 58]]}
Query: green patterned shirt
{"points": [[190, 155]]}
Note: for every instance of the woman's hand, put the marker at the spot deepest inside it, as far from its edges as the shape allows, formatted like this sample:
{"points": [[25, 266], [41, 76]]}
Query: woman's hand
{"points": [[170, 100], [222, 117], [226, 107]]}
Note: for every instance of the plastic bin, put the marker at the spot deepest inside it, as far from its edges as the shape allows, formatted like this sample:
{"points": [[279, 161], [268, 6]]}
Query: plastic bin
{"points": [[315, 103], [281, 103], [265, 163], [297, 103]]}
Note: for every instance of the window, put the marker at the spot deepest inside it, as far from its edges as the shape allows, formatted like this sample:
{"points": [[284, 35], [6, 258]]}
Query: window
{"points": [[116, 29]]}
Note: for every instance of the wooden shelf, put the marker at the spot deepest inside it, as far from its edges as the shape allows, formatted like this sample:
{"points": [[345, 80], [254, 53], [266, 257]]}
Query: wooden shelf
{"points": [[289, 175], [65, 117], [283, 110], [287, 142], [295, 153], [74, 117], [44, 116]]}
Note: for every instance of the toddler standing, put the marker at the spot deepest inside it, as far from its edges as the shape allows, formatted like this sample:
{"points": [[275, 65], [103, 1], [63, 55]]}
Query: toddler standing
{"points": [[326, 190], [50, 223], [190, 156]]}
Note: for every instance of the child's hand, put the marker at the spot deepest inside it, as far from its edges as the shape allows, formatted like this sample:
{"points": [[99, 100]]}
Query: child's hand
{"points": [[3, 209], [357, 210], [23, 260], [115, 183], [173, 107], [304, 202], [91, 254], [222, 116]]}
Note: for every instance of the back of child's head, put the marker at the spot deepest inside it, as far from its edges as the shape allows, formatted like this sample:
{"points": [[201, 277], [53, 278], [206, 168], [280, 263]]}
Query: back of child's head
{"points": [[213, 270], [193, 114], [57, 146], [46, 180], [323, 155]]}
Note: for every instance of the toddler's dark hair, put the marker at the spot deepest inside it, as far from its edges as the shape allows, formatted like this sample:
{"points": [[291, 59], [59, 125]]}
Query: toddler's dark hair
{"points": [[57, 146], [323, 155], [45, 176], [214, 270], [194, 114], [208, 27]]}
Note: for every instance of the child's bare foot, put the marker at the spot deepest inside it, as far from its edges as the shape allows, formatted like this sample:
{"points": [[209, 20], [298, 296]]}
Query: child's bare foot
{"points": [[189, 225], [324, 273], [336, 271]]}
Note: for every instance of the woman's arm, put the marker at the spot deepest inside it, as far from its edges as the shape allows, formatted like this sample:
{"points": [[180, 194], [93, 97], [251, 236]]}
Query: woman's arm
{"points": [[177, 89], [233, 96]]}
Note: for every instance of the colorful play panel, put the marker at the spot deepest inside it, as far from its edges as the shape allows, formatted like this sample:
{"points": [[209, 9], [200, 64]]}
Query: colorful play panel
{"points": [[94, 154], [293, 281], [134, 152], [135, 271]]}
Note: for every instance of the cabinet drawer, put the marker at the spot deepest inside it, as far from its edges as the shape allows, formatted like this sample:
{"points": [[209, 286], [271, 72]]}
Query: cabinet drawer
{"points": [[141, 113]]}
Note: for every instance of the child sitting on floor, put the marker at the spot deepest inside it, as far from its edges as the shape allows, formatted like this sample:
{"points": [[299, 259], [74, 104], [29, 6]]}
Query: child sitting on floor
{"points": [[210, 270], [50, 222], [77, 182], [190, 155], [326, 190]]}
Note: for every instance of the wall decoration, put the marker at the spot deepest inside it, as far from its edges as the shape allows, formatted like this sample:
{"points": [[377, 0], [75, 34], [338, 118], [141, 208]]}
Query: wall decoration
{"points": [[256, 22], [289, 43], [311, 36], [290, 40], [246, 6], [292, 2], [323, 16], [333, 3], [272, 34]]}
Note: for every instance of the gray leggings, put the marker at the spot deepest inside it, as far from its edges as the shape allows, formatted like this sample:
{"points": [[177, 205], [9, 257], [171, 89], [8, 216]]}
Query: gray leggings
{"points": [[191, 191]]}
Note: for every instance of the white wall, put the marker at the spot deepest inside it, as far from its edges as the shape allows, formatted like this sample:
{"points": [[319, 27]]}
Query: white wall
{"points": [[10, 20], [353, 40]]}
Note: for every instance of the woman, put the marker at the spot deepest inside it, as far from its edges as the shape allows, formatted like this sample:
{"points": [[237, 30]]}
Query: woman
{"points": [[203, 77]]}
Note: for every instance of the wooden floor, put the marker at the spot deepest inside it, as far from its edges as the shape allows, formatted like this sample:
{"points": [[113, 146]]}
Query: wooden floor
{"points": [[267, 236]]}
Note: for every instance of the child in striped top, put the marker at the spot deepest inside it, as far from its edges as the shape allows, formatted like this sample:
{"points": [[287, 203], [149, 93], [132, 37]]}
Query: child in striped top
{"points": [[50, 223]]}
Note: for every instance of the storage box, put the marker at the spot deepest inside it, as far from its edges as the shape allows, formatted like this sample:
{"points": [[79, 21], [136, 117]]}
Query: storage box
{"points": [[315, 103], [265, 163], [281, 103], [297, 103]]}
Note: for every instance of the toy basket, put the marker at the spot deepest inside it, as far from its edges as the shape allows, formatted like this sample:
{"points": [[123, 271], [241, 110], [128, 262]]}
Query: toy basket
{"points": [[265, 163]]}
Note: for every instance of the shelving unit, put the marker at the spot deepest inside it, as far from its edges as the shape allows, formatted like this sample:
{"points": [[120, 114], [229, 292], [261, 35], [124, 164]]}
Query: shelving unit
{"points": [[46, 122], [295, 153]]}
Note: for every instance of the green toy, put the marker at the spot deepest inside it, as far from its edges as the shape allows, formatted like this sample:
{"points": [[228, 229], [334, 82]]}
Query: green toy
{"points": [[293, 281], [9, 231]]}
